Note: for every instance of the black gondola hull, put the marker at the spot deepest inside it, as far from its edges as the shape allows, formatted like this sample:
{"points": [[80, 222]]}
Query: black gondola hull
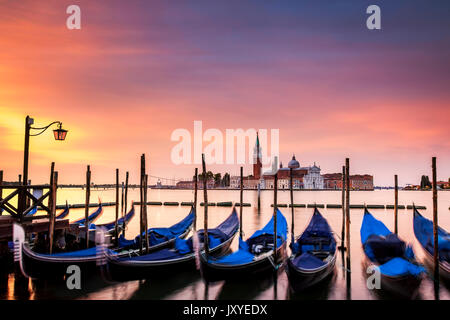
{"points": [[301, 279], [131, 270], [400, 286], [444, 268], [258, 268], [38, 266]]}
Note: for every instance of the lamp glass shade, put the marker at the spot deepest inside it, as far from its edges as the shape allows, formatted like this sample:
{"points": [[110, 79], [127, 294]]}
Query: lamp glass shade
{"points": [[60, 134]]}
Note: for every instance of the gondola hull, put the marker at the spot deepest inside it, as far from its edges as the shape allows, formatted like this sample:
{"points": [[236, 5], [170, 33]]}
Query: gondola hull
{"points": [[255, 257], [301, 279], [120, 270], [444, 267], [36, 265], [400, 286], [423, 229], [402, 274], [258, 268]]}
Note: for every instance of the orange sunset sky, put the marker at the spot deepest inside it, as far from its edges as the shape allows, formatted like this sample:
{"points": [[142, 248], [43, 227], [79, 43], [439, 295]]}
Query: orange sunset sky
{"points": [[137, 70]]}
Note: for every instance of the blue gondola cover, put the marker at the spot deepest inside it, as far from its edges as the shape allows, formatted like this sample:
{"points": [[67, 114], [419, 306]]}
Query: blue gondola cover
{"points": [[243, 255], [383, 247], [423, 229]]}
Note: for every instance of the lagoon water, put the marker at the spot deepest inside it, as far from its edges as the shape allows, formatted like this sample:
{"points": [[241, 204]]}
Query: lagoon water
{"points": [[189, 285]]}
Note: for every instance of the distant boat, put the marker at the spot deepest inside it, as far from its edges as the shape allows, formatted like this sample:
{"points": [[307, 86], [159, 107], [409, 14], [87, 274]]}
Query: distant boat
{"points": [[423, 230], [255, 256], [313, 256], [169, 261], [400, 273]]}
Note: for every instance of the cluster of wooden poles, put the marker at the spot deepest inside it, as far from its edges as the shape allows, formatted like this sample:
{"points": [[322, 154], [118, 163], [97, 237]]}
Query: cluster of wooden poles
{"points": [[123, 199]]}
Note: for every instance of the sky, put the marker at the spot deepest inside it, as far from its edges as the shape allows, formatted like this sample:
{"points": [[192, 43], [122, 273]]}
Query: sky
{"points": [[138, 70]]}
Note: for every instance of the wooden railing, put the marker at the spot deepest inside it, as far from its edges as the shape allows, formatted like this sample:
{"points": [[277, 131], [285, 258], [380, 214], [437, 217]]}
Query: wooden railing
{"points": [[26, 201]]}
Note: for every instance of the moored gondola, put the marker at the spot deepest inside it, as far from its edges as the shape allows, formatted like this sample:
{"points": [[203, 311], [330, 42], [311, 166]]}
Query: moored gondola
{"points": [[423, 230], [255, 256], [63, 213], [121, 222], [91, 218], [395, 261], [160, 237], [180, 258], [313, 255], [43, 265]]}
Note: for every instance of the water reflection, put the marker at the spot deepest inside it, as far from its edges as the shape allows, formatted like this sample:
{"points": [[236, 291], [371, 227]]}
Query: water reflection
{"points": [[161, 288], [245, 289], [321, 291]]}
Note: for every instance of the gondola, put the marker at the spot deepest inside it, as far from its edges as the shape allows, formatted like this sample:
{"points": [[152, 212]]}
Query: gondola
{"points": [[63, 213], [121, 222], [32, 212], [313, 255], [78, 228], [35, 264], [160, 237], [400, 273], [180, 258], [91, 218], [110, 227], [423, 230], [40, 265], [255, 256]]}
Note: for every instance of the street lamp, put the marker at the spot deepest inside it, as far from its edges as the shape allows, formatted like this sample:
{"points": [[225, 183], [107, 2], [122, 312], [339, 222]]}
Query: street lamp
{"points": [[59, 134]]}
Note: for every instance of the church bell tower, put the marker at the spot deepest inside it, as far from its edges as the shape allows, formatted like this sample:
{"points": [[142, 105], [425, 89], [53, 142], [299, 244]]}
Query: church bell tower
{"points": [[257, 155]]}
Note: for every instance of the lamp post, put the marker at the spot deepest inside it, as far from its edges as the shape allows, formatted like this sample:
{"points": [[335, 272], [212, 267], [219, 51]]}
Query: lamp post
{"points": [[59, 134]]}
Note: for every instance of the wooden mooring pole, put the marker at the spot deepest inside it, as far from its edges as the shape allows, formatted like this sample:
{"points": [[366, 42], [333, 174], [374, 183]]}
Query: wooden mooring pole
{"points": [[52, 171], [259, 198], [122, 199], [275, 209], [241, 232], [347, 210], [396, 204], [86, 208], [116, 226], [51, 227], [291, 187], [141, 215], [205, 200], [145, 213], [50, 205], [1, 190], [435, 223], [342, 247], [194, 207], [126, 202]]}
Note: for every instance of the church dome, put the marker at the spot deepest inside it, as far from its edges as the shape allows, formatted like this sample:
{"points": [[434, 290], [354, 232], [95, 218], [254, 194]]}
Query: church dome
{"points": [[294, 164]]}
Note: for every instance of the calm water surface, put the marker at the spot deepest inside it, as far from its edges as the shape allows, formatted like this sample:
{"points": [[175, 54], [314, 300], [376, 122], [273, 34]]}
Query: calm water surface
{"points": [[189, 285]]}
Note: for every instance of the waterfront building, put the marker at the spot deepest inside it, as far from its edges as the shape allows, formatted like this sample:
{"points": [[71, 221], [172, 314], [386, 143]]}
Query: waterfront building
{"points": [[191, 184], [357, 181]]}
